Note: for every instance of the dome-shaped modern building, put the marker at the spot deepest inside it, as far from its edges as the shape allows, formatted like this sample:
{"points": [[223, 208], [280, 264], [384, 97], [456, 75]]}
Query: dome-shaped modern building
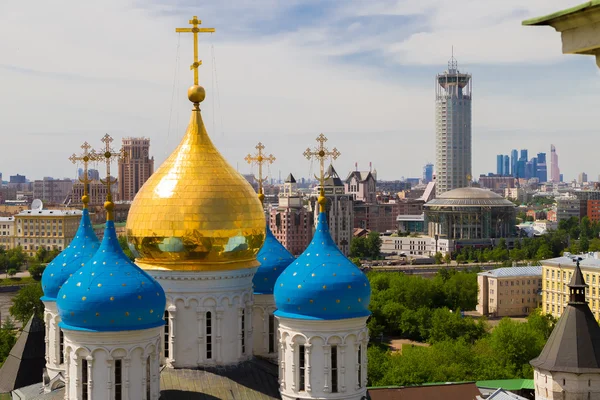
{"points": [[470, 214]]}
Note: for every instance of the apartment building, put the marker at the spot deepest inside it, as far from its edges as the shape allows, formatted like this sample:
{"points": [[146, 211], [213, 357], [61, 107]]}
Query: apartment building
{"points": [[509, 292], [7, 232], [556, 275], [53, 229]]}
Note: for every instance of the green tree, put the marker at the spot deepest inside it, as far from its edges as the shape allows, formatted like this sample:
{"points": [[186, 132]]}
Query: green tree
{"points": [[7, 341], [439, 258], [356, 261], [373, 245], [11, 272], [447, 258], [36, 270], [544, 252], [27, 302], [358, 247]]}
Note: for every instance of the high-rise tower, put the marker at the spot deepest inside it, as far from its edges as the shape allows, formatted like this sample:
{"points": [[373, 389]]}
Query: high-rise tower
{"points": [[554, 170], [453, 128], [135, 168]]}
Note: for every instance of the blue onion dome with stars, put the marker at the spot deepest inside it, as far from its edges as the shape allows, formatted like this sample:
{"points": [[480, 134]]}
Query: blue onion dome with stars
{"points": [[322, 284], [81, 249], [110, 293], [273, 259]]}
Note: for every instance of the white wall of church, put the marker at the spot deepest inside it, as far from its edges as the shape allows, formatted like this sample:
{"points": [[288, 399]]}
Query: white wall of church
{"points": [[346, 379], [264, 338], [566, 386], [206, 311], [103, 352], [52, 340]]}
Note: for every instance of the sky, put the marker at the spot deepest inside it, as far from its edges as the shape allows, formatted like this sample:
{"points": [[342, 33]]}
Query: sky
{"points": [[282, 72]]}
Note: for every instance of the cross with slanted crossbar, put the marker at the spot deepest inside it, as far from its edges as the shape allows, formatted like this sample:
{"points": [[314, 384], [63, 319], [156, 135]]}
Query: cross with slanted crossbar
{"points": [[86, 157], [195, 30], [108, 154], [259, 158], [321, 153]]}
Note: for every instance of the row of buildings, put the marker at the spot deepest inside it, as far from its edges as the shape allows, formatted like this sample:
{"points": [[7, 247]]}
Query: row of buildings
{"points": [[133, 170]]}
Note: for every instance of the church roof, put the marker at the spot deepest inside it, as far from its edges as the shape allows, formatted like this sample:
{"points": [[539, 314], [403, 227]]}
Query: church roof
{"points": [[273, 259], [574, 345], [322, 284], [290, 179], [361, 176], [251, 380], [81, 249], [26, 361], [111, 293], [333, 178]]}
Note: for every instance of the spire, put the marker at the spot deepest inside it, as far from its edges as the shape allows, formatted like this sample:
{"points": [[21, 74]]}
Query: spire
{"points": [[109, 155], [86, 157], [577, 285], [321, 153], [196, 93], [259, 158]]}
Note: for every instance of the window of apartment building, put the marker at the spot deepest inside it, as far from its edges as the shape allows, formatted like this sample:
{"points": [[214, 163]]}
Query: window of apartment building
{"points": [[552, 274]]}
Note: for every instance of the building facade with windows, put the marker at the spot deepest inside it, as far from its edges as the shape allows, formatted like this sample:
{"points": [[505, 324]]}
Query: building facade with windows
{"points": [[52, 229], [557, 273], [7, 232], [135, 168], [509, 292]]}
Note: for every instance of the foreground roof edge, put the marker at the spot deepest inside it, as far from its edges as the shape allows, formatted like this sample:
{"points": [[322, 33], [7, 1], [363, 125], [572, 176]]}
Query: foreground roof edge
{"points": [[548, 19]]}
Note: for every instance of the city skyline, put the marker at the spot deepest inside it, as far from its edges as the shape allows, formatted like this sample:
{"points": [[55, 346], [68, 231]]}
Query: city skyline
{"points": [[305, 81]]}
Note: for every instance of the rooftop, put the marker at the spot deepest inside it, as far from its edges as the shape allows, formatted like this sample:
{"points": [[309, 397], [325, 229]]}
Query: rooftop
{"points": [[550, 18], [54, 213], [470, 196], [589, 260], [534, 270]]}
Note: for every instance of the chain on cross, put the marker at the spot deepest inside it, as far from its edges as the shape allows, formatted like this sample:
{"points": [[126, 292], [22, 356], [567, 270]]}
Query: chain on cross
{"points": [[321, 153], [108, 154], [85, 158], [259, 159], [195, 30]]}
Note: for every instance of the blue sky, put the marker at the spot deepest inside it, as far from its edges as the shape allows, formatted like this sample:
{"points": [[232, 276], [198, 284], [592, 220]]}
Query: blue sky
{"points": [[281, 72]]}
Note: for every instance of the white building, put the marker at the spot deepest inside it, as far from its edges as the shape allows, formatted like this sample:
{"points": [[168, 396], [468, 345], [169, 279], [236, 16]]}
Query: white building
{"points": [[453, 129]]}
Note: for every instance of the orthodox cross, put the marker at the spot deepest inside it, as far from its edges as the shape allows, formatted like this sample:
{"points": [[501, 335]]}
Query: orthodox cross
{"points": [[195, 30], [86, 157], [259, 158], [321, 153], [109, 154]]}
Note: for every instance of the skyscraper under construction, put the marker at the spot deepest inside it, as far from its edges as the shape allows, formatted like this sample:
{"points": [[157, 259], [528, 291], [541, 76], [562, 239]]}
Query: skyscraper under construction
{"points": [[453, 128]]}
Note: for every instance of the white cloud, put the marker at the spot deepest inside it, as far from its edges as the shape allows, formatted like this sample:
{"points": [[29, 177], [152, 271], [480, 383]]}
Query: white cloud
{"points": [[108, 67]]}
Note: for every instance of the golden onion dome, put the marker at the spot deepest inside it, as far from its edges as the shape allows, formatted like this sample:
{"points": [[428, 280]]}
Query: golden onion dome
{"points": [[196, 212]]}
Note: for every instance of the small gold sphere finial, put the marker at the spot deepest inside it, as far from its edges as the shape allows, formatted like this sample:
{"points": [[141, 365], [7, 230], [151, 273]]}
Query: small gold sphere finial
{"points": [[109, 205], [85, 199], [196, 94], [261, 197]]}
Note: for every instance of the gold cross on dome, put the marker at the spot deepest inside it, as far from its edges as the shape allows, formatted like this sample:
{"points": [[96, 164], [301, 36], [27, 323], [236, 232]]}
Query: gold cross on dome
{"points": [[321, 153], [195, 30], [85, 158], [108, 154], [259, 158]]}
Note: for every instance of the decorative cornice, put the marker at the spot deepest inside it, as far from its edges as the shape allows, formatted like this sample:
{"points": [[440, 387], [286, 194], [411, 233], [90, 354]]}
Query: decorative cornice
{"points": [[201, 277]]}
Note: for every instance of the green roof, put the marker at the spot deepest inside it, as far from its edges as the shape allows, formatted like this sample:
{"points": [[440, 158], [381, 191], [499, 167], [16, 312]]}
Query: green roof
{"points": [[102, 226], [507, 384], [547, 19]]}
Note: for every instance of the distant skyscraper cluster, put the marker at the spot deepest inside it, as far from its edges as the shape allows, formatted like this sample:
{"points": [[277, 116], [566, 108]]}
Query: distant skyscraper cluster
{"points": [[519, 165], [453, 129], [428, 173]]}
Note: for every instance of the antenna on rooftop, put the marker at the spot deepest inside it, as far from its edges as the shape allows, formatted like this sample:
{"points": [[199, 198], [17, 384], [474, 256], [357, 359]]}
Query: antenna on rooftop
{"points": [[37, 205]]}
